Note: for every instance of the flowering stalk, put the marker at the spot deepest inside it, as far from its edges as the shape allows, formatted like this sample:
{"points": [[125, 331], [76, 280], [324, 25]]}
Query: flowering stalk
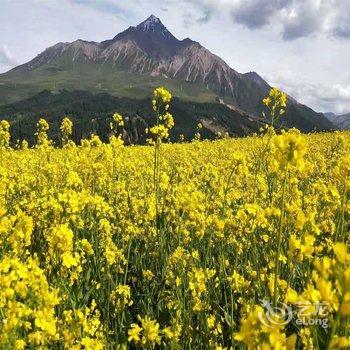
{"points": [[156, 169], [164, 122], [41, 134], [66, 130], [4, 134]]}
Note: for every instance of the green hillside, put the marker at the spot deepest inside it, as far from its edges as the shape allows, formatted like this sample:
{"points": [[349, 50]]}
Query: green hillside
{"points": [[96, 79], [91, 113]]}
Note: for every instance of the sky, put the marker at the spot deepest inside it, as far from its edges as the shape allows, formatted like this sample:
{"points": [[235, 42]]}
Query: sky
{"points": [[300, 46]]}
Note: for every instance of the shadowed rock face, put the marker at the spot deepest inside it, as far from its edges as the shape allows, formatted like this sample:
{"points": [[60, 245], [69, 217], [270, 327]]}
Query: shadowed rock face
{"points": [[344, 121], [150, 49], [341, 122]]}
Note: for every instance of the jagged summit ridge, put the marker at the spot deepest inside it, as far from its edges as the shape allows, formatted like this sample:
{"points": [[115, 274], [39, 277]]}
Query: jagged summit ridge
{"points": [[155, 25]]}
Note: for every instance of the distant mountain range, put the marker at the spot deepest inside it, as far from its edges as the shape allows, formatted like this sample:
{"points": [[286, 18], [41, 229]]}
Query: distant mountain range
{"points": [[340, 121], [134, 62]]}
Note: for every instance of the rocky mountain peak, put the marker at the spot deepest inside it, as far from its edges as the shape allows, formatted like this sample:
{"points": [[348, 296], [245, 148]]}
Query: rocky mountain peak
{"points": [[154, 25], [150, 23]]}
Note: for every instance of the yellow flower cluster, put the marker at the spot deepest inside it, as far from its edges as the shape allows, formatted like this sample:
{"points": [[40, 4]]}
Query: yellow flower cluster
{"points": [[175, 247], [27, 305], [121, 297], [66, 126], [41, 134], [118, 119], [4, 134], [164, 120], [276, 103], [147, 334], [276, 95], [162, 94], [66, 129], [287, 151]]}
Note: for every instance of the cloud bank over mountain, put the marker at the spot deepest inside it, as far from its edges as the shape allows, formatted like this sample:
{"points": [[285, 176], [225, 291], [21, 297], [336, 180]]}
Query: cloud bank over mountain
{"points": [[294, 18]]}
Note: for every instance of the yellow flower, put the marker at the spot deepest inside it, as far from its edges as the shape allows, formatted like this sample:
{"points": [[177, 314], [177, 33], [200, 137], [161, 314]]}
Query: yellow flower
{"points": [[121, 297], [211, 321], [118, 119], [276, 103], [288, 151], [68, 260], [20, 344], [341, 253], [41, 134], [150, 331], [162, 94], [238, 282], [291, 296], [87, 247], [148, 274], [4, 134], [168, 333], [66, 127], [134, 333]]}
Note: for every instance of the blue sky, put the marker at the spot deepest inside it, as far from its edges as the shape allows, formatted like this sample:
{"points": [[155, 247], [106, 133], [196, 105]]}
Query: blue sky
{"points": [[301, 46]]}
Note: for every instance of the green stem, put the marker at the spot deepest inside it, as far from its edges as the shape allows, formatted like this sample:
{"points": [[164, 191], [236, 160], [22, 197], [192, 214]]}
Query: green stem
{"points": [[340, 227], [156, 176], [336, 323], [279, 242]]}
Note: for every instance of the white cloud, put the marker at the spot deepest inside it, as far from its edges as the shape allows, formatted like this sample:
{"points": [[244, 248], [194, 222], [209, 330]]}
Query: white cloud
{"points": [[293, 18], [303, 19], [6, 56], [7, 60], [324, 98]]}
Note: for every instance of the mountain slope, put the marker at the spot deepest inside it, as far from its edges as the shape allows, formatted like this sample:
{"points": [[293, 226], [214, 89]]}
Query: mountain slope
{"points": [[92, 114], [139, 59], [341, 122]]}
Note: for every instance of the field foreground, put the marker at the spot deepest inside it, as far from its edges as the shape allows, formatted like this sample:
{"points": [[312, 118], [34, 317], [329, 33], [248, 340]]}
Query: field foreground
{"points": [[223, 245]]}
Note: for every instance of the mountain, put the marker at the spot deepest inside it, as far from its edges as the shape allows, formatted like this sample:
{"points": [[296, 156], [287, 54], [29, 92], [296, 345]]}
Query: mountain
{"points": [[330, 115], [341, 122], [141, 58]]}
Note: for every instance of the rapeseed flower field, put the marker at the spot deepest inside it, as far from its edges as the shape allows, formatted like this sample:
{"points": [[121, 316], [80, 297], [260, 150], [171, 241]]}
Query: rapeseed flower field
{"points": [[225, 244]]}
